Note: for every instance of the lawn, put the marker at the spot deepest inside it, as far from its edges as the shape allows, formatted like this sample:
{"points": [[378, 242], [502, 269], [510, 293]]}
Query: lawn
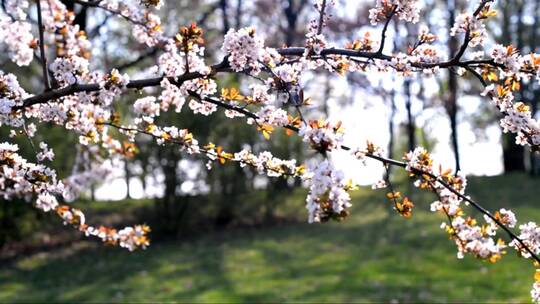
{"points": [[374, 256]]}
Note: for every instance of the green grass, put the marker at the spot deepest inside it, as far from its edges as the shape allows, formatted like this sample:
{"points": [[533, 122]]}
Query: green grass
{"points": [[375, 256]]}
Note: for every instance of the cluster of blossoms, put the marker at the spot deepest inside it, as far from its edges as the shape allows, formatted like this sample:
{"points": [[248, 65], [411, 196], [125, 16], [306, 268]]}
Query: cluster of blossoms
{"points": [[366, 44], [507, 217], [171, 62], [315, 40], [17, 36], [328, 196], [467, 22], [530, 235], [419, 159], [68, 70], [202, 107], [513, 67], [260, 94], [402, 205], [266, 163], [16, 32], [181, 136], [16, 8], [202, 87], [450, 189], [184, 53], [535, 291], [162, 135], [517, 116], [271, 115], [45, 152], [508, 56], [424, 35], [321, 135], [147, 25], [370, 149], [402, 64], [68, 38], [130, 238], [428, 54], [23, 179], [147, 106], [246, 52], [170, 95], [287, 74], [11, 95], [518, 120], [408, 10], [20, 178], [244, 48], [111, 85], [82, 112], [472, 238], [176, 95]]}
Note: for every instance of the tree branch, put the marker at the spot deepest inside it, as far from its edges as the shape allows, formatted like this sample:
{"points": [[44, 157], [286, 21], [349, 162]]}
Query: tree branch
{"points": [[46, 81], [393, 162], [385, 28], [223, 66], [321, 17]]}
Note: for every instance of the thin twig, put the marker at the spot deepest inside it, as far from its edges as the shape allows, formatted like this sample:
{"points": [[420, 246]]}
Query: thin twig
{"points": [[385, 29], [321, 17]]}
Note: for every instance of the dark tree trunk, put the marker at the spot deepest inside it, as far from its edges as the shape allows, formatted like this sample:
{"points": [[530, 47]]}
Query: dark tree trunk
{"points": [[391, 130], [452, 110], [513, 154], [238, 16], [292, 17], [533, 157], [224, 4], [411, 126], [127, 175], [166, 205], [391, 126], [451, 105], [93, 193]]}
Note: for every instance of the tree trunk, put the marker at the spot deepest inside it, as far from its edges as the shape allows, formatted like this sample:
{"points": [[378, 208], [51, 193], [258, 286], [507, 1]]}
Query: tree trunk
{"points": [[451, 105], [411, 127], [513, 154], [238, 16], [391, 127], [166, 205], [127, 175], [451, 110], [223, 4]]}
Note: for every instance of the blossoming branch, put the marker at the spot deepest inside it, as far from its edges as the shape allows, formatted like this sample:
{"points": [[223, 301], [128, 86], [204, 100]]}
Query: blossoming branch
{"points": [[81, 99]]}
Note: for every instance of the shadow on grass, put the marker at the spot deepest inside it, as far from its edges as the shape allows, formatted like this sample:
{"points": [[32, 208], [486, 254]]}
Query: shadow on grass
{"points": [[375, 256]]}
